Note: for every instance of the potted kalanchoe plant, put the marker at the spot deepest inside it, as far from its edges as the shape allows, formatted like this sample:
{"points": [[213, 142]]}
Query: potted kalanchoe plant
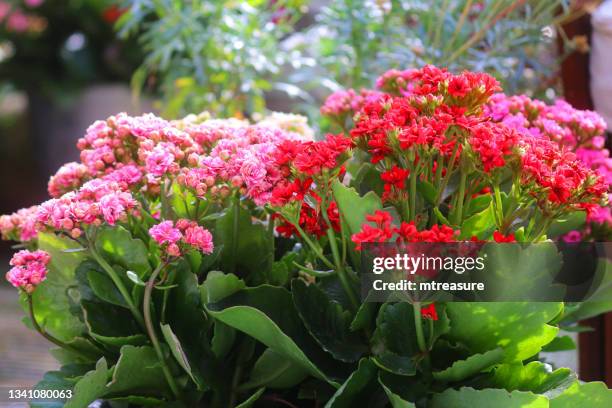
{"points": [[212, 262]]}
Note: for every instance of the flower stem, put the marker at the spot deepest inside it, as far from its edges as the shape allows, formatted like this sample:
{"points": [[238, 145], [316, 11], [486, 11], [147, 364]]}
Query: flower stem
{"points": [[151, 330], [52, 339], [412, 197], [416, 307], [118, 283], [235, 234], [344, 280], [458, 212]]}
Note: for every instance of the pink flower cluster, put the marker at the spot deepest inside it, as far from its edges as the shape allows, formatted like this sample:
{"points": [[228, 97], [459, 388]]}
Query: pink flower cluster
{"points": [[19, 226], [343, 104], [170, 236], [97, 201], [17, 20], [29, 269]]}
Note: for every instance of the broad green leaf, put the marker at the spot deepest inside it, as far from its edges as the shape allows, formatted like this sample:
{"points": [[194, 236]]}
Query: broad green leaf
{"points": [[89, 353], [470, 398], [177, 351], [267, 314], [252, 399], [56, 299], [223, 339], [591, 395], [514, 272], [141, 401], [357, 388], [53, 380], [395, 400], [562, 343], [365, 316], [478, 204], [327, 321], [427, 190], [91, 387], [573, 221], [396, 329], [111, 325], [252, 243], [520, 328], [480, 224], [272, 370], [104, 288], [394, 363], [353, 207], [598, 301], [219, 285], [138, 371], [535, 377], [474, 364], [117, 246]]}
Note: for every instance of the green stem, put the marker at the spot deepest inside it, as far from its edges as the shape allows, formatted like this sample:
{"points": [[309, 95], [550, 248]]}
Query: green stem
{"points": [[458, 211], [416, 307], [235, 225], [118, 283], [316, 248], [499, 209], [412, 197], [344, 280], [151, 330], [49, 337]]}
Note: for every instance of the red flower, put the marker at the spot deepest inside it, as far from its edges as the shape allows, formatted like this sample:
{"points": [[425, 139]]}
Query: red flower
{"points": [[429, 312], [313, 157], [396, 177], [499, 237]]}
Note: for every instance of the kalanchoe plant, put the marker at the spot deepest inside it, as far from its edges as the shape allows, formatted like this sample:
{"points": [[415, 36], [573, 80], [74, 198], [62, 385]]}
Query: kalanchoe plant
{"points": [[208, 262]]}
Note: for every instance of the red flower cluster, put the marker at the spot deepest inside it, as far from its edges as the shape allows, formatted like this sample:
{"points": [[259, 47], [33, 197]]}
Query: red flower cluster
{"points": [[493, 143], [314, 157], [384, 230], [311, 221], [556, 179]]}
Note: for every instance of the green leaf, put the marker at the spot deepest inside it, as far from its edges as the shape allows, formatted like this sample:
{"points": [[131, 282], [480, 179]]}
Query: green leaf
{"points": [[252, 399], [427, 190], [327, 321], [179, 354], [562, 343], [357, 387], [478, 204], [223, 339], [535, 377], [104, 288], [138, 371], [470, 398], [219, 285], [394, 363], [396, 329], [573, 221], [273, 370], [365, 315], [267, 314], [592, 395], [91, 387], [395, 400], [353, 207], [474, 364], [520, 328], [118, 247], [480, 224], [135, 278], [57, 297], [111, 325], [254, 246], [53, 380]]}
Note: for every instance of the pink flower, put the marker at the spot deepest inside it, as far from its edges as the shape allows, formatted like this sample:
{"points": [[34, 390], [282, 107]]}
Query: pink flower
{"points": [[572, 237], [199, 238], [68, 178], [115, 205], [165, 233], [29, 269], [159, 161]]}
